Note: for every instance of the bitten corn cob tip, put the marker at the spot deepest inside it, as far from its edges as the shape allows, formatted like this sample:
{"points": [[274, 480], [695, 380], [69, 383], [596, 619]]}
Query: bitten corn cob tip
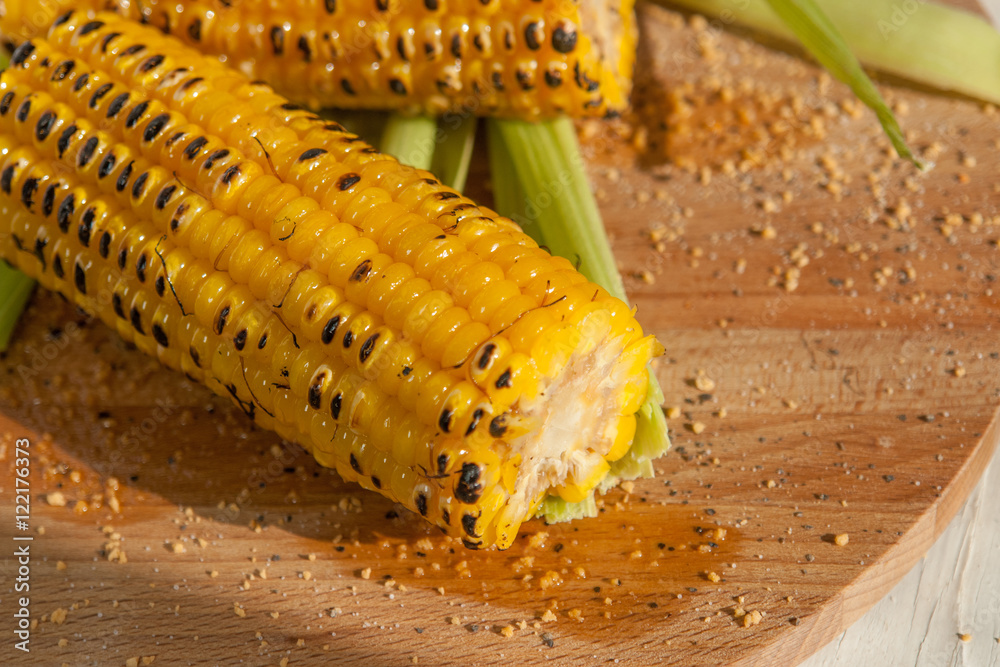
{"points": [[526, 59], [419, 344]]}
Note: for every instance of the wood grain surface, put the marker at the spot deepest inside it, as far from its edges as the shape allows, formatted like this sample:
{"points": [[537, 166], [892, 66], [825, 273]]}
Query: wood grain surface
{"points": [[833, 360]]}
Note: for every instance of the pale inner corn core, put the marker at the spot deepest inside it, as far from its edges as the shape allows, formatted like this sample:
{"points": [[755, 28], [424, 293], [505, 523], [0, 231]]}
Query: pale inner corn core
{"points": [[602, 22], [577, 417]]}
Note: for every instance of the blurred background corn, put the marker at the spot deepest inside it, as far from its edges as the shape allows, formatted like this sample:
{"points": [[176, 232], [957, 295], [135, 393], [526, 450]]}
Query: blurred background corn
{"points": [[416, 342], [524, 59]]}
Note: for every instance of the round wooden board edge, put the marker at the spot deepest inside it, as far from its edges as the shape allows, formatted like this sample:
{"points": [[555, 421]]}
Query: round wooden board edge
{"points": [[877, 579]]}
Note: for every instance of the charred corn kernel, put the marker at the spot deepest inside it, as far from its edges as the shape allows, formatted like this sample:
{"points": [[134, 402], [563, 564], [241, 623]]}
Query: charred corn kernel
{"points": [[522, 59], [347, 302]]}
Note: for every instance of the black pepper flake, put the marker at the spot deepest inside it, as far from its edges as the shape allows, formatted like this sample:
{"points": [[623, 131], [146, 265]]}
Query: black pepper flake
{"points": [[304, 47], [553, 78], [215, 157], [22, 53], [5, 103], [135, 114], [90, 27], [230, 173], [348, 88], [330, 329], [361, 272], [160, 284], [135, 317], [469, 525], [397, 86], [39, 250], [504, 381], [195, 357], [155, 126], [531, 36], [117, 105], [80, 278], [106, 166], [240, 339], [498, 426], [348, 338], [24, 110], [190, 83], [107, 39], [87, 152], [139, 184], [563, 38], [49, 200], [44, 125], [476, 417], [65, 211], [134, 49], [28, 190], [140, 268], [57, 267], [123, 177], [331, 6], [354, 464], [63, 143], [160, 335], [277, 40], [335, 405], [63, 19], [122, 258], [376, 482], [888, 478], [62, 71], [220, 323], [442, 463], [548, 640], [86, 227], [262, 342], [485, 357], [367, 347], [421, 502], [346, 181], [469, 488], [6, 177], [311, 153], [150, 63], [315, 393], [194, 29], [193, 148], [101, 91], [165, 194], [444, 421]]}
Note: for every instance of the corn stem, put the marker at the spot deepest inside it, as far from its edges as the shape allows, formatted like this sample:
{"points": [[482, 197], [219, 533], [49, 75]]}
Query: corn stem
{"points": [[411, 139], [453, 155]]}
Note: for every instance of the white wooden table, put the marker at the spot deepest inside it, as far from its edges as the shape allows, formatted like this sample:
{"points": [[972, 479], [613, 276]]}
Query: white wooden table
{"points": [[954, 590]]}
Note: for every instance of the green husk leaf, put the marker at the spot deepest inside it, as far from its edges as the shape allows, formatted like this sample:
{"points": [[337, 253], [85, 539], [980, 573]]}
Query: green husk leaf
{"points": [[926, 42], [411, 139], [822, 39], [15, 290], [539, 181], [454, 156]]}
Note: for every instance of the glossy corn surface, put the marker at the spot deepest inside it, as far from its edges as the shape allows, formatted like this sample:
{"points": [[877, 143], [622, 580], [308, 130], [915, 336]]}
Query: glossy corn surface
{"points": [[419, 344], [526, 59]]}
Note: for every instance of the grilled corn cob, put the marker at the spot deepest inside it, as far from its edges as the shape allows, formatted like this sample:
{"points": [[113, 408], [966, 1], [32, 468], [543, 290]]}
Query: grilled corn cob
{"points": [[419, 344], [523, 59]]}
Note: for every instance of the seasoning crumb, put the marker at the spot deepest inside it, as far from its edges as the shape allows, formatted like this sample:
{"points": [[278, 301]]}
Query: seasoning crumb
{"points": [[965, 636], [696, 427], [60, 566], [842, 539], [132, 662], [274, 614], [366, 573], [63, 643], [713, 577], [752, 618], [454, 620], [575, 614], [56, 499], [548, 616], [238, 610], [672, 412], [58, 616], [507, 631]]}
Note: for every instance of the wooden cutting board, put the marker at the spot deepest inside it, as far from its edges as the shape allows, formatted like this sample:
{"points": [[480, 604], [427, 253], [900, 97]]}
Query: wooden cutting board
{"points": [[833, 361]]}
